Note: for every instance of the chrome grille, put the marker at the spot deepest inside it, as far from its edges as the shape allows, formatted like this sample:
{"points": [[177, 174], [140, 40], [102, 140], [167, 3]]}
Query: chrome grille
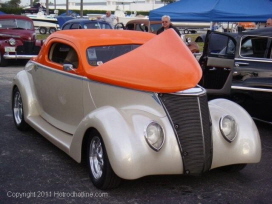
{"points": [[190, 118]]}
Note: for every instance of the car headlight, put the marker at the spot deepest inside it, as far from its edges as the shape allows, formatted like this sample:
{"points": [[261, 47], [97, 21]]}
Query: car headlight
{"points": [[12, 41], [154, 136], [228, 127], [189, 40]]}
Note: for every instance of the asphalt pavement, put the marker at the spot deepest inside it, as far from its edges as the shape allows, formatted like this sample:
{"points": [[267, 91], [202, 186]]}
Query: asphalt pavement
{"points": [[32, 170]]}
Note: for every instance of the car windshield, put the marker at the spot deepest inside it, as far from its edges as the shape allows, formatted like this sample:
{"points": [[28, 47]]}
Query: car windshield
{"points": [[99, 55], [96, 25], [16, 23], [155, 27]]}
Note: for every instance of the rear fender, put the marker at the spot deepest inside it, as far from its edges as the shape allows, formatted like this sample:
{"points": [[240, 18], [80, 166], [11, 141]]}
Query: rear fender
{"points": [[25, 85]]}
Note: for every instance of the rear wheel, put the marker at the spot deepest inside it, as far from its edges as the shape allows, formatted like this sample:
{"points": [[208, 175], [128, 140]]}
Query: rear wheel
{"points": [[18, 111], [100, 170], [52, 30], [43, 30]]}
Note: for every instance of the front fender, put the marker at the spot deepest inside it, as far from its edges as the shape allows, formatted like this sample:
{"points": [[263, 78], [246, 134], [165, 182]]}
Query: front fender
{"points": [[246, 148], [123, 134]]}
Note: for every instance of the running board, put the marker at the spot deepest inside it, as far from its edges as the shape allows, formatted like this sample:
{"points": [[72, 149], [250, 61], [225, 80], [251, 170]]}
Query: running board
{"points": [[63, 140]]}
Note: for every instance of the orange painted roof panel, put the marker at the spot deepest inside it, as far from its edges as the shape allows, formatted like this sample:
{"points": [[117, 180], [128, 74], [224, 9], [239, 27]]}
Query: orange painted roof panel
{"points": [[163, 64]]}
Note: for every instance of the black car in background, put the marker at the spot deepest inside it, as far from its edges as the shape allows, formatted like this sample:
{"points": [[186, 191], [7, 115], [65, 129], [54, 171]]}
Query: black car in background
{"points": [[80, 23], [244, 61]]}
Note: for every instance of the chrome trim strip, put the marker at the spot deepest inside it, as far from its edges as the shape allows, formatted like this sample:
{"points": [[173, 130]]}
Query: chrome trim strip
{"points": [[10, 35], [201, 124], [254, 59], [196, 91], [251, 89], [14, 56]]}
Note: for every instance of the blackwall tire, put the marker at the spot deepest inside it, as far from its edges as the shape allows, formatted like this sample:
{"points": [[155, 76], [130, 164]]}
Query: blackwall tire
{"points": [[52, 30], [100, 170], [3, 61]]}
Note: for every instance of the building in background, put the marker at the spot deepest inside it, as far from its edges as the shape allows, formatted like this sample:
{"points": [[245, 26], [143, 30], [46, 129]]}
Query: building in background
{"points": [[125, 5]]}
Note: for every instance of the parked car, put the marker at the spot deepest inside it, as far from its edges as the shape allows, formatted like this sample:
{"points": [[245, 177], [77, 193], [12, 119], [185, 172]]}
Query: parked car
{"points": [[246, 59], [116, 98], [17, 38], [145, 25], [81, 23]]}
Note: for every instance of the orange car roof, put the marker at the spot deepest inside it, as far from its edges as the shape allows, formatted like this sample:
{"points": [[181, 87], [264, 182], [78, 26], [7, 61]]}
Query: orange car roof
{"points": [[84, 38], [163, 64]]}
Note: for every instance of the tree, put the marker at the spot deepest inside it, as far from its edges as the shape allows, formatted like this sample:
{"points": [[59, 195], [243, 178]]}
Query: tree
{"points": [[13, 3], [168, 1]]}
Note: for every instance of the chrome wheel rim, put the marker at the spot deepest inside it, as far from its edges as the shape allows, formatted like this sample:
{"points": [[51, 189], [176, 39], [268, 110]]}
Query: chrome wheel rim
{"points": [[18, 108], [96, 157]]}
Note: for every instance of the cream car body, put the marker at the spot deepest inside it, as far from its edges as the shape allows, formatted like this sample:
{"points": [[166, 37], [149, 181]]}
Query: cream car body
{"points": [[64, 107]]}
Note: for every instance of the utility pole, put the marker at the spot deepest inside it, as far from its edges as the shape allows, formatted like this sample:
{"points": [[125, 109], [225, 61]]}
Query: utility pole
{"points": [[81, 8], [47, 7], [67, 7]]}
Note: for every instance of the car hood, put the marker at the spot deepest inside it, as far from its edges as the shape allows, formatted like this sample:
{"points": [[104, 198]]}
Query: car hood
{"points": [[163, 64], [16, 33]]}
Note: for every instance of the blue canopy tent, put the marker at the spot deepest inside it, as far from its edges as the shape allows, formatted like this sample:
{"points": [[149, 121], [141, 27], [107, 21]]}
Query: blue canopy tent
{"points": [[215, 10]]}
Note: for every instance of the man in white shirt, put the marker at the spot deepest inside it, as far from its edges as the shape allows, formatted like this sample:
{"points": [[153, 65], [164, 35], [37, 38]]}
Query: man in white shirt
{"points": [[109, 18]]}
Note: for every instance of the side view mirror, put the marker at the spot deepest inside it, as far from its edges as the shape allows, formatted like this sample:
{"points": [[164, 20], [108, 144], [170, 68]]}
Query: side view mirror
{"points": [[68, 67]]}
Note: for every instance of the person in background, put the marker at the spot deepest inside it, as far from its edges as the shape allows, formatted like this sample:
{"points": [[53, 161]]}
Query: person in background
{"points": [[268, 22], [109, 18], [166, 24]]}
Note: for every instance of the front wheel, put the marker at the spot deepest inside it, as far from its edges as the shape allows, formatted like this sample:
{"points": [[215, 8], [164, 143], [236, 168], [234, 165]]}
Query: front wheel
{"points": [[3, 61], [100, 170], [18, 111]]}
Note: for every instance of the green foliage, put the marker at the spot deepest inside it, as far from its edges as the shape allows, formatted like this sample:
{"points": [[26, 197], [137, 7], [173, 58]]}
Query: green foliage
{"points": [[168, 1], [12, 4], [11, 10]]}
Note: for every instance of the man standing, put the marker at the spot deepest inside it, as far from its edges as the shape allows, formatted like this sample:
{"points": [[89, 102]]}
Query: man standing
{"points": [[166, 24], [109, 18], [268, 22]]}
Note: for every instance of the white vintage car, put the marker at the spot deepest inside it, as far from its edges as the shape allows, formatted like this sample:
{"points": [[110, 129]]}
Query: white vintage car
{"points": [[129, 102]]}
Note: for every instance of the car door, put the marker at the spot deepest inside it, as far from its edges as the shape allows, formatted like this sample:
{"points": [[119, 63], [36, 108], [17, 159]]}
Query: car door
{"points": [[252, 79], [59, 92], [217, 63]]}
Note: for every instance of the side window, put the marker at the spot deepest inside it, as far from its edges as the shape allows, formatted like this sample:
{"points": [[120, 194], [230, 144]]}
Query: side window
{"points": [[130, 26], [221, 45], [63, 54], [255, 47], [75, 26], [66, 27], [138, 27]]}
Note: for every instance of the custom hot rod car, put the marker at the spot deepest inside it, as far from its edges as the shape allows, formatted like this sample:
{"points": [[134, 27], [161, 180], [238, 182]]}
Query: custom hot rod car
{"points": [[17, 38], [129, 102]]}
